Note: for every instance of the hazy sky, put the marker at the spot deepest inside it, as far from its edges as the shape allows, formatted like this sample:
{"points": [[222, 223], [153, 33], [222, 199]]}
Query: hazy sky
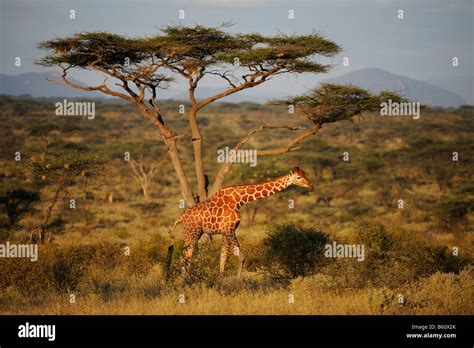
{"points": [[420, 46]]}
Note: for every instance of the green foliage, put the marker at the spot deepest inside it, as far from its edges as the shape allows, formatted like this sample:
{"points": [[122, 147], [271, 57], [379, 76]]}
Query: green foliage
{"points": [[204, 45], [293, 251], [332, 103], [80, 49], [188, 50], [198, 42], [293, 52]]}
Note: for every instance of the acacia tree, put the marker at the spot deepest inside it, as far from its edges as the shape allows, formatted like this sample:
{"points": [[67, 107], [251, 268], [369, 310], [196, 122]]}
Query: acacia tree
{"points": [[59, 169], [142, 66]]}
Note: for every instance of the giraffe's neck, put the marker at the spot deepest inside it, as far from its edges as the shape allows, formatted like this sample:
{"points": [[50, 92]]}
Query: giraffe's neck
{"points": [[252, 192]]}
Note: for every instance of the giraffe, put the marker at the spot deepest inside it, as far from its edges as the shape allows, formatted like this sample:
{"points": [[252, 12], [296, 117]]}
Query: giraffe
{"points": [[219, 214]]}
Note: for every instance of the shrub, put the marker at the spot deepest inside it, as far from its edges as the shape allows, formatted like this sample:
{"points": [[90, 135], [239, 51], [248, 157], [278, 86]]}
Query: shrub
{"points": [[103, 269], [450, 213], [292, 251], [17, 203], [393, 257], [57, 269], [376, 239], [443, 293], [66, 267], [204, 264]]}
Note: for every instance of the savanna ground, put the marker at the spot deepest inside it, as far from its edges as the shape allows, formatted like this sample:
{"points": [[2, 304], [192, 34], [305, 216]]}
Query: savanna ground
{"points": [[421, 253]]}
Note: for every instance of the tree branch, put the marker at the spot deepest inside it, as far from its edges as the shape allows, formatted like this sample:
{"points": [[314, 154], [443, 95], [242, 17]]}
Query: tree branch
{"points": [[102, 88], [252, 82], [226, 167], [289, 146]]}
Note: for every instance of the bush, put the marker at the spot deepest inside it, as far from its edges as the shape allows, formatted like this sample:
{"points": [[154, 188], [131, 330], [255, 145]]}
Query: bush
{"points": [[393, 257], [204, 264], [102, 269], [443, 293], [57, 269], [451, 213], [67, 267], [17, 203], [377, 240], [292, 251]]}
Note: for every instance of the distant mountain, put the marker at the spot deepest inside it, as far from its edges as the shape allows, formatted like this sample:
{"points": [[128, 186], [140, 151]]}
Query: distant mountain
{"points": [[255, 95], [37, 85], [376, 80], [461, 85]]}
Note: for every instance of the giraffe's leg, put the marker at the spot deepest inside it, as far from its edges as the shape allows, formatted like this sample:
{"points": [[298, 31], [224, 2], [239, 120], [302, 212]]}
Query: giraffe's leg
{"points": [[237, 252], [191, 237], [224, 253]]}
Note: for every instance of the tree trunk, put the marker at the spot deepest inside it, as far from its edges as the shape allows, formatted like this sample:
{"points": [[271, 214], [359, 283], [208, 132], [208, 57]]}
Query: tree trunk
{"points": [[183, 182], [42, 227], [145, 192], [169, 138], [197, 147]]}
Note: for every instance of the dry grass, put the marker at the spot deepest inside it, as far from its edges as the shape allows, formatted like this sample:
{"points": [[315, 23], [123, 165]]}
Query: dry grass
{"points": [[438, 294]]}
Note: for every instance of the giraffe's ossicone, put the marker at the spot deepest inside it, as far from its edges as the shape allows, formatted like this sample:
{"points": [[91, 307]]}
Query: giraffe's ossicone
{"points": [[219, 214]]}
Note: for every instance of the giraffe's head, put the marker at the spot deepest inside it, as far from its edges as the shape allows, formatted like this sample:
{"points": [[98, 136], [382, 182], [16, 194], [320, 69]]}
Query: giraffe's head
{"points": [[298, 178]]}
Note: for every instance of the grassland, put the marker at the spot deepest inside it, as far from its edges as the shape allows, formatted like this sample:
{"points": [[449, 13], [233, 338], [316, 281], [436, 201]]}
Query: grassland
{"points": [[391, 158]]}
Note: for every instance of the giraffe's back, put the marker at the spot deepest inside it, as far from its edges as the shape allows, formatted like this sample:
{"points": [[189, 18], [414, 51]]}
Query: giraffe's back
{"points": [[216, 215]]}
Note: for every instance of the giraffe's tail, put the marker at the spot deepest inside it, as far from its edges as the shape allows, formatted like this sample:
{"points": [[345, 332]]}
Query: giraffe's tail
{"points": [[176, 223]]}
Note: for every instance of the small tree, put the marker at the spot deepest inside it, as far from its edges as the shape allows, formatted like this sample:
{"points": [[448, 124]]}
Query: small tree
{"points": [[142, 66], [143, 175], [59, 169], [17, 203], [45, 135]]}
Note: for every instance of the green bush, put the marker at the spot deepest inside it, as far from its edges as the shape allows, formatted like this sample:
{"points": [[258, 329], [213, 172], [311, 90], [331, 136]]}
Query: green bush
{"points": [[292, 251]]}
